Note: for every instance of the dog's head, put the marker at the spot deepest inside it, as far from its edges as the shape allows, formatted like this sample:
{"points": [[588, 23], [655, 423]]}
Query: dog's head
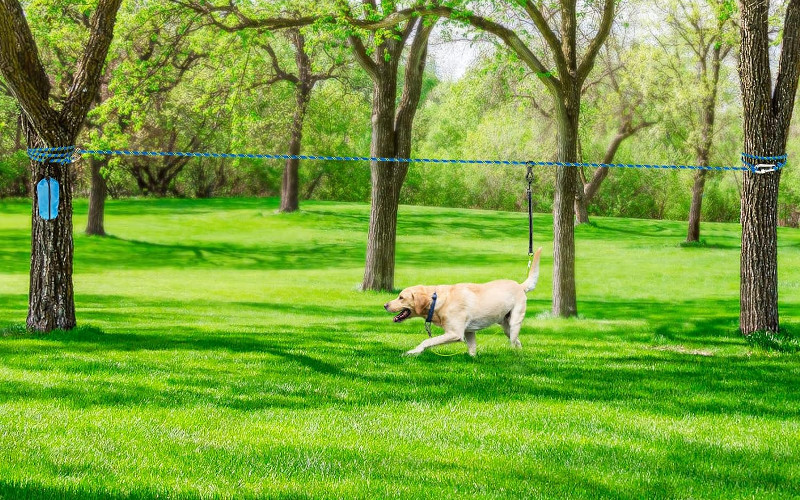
{"points": [[411, 303]]}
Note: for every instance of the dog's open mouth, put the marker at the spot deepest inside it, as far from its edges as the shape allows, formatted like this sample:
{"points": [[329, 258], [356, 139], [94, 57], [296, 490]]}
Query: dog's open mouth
{"points": [[404, 314]]}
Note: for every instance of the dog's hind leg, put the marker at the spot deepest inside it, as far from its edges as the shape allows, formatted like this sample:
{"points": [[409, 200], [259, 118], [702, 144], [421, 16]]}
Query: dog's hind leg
{"points": [[513, 323], [469, 338], [506, 325]]}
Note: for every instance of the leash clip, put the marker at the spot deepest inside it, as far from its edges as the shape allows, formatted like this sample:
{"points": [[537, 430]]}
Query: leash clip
{"points": [[529, 174], [429, 319]]}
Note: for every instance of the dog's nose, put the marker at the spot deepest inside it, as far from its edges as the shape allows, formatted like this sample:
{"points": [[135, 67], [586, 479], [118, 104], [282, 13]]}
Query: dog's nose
{"points": [[386, 306]]}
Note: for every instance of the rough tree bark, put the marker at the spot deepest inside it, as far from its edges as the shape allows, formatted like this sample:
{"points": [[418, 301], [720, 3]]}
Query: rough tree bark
{"points": [[767, 116], [392, 124], [51, 297]]}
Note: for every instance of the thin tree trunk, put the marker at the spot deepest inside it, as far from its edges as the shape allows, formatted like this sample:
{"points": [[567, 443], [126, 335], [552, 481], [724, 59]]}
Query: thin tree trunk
{"points": [[314, 184], [693, 233], [97, 197], [707, 118], [290, 183], [588, 190]]}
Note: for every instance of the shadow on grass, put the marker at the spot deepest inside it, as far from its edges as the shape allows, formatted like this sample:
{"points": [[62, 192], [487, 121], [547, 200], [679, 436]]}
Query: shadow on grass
{"points": [[308, 365]]}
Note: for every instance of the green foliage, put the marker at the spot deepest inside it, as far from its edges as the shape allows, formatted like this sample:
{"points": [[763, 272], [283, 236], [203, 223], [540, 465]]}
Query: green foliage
{"points": [[167, 77]]}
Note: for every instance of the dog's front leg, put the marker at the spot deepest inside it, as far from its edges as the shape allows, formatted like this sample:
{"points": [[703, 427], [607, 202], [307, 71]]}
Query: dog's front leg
{"points": [[445, 338]]}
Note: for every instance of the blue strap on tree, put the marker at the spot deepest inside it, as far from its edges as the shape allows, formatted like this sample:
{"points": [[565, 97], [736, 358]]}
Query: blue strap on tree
{"points": [[47, 194], [764, 164]]}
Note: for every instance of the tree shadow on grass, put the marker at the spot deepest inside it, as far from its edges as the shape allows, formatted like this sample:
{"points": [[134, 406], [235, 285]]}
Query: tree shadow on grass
{"points": [[307, 365]]}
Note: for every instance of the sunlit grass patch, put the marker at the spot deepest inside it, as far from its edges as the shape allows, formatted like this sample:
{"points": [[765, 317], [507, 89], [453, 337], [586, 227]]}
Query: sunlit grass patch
{"points": [[223, 351]]}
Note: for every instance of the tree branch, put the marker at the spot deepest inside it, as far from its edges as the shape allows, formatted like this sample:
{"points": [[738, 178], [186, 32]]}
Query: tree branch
{"points": [[23, 70], [210, 12], [363, 59], [280, 73], [508, 36], [549, 36], [415, 67], [789, 66], [90, 66], [594, 47]]}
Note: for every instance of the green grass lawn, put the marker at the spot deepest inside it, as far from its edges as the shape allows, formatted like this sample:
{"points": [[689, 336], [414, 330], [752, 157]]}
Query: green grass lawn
{"points": [[224, 351]]}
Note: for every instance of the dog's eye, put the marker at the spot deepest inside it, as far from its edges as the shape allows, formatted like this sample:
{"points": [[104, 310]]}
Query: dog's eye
{"points": [[401, 297]]}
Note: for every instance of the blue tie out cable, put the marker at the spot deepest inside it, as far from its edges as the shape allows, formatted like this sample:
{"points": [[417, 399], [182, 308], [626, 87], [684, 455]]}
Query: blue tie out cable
{"points": [[66, 154]]}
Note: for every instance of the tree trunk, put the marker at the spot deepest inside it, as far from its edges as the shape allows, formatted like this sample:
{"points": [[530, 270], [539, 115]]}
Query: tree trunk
{"points": [[97, 197], [291, 182], [759, 258], [767, 116], [51, 297], [696, 208], [707, 118], [581, 207], [387, 178], [51, 302], [589, 190], [391, 137], [564, 293]]}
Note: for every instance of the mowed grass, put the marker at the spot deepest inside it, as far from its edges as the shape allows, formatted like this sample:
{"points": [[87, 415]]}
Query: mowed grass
{"points": [[225, 352]]}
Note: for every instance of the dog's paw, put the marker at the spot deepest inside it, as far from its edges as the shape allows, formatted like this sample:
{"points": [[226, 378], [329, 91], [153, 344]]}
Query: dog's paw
{"points": [[412, 352]]}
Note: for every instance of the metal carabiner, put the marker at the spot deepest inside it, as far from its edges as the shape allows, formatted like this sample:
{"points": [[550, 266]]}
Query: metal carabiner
{"points": [[763, 168]]}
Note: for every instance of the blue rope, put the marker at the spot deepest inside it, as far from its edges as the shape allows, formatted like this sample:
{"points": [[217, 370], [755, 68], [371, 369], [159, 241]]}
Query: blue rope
{"points": [[65, 155]]}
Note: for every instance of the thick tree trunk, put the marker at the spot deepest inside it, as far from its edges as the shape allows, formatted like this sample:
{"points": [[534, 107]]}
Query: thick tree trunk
{"points": [[767, 116], [759, 258], [51, 302], [391, 137], [693, 234], [291, 182], [97, 197], [51, 296], [564, 293], [387, 178]]}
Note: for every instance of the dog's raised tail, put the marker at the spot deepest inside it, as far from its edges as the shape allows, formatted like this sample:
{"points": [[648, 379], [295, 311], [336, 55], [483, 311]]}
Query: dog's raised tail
{"points": [[533, 274]]}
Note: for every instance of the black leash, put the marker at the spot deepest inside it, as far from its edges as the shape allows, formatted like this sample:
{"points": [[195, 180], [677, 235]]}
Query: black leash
{"points": [[429, 319], [529, 178]]}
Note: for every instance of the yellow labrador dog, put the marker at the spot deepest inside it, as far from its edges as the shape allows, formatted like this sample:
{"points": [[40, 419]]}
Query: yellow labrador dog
{"points": [[465, 308]]}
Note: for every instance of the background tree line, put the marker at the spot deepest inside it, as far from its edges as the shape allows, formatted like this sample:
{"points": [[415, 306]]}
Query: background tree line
{"points": [[174, 82]]}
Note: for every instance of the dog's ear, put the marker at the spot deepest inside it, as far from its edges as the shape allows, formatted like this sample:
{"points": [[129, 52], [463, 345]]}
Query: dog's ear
{"points": [[422, 302]]}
